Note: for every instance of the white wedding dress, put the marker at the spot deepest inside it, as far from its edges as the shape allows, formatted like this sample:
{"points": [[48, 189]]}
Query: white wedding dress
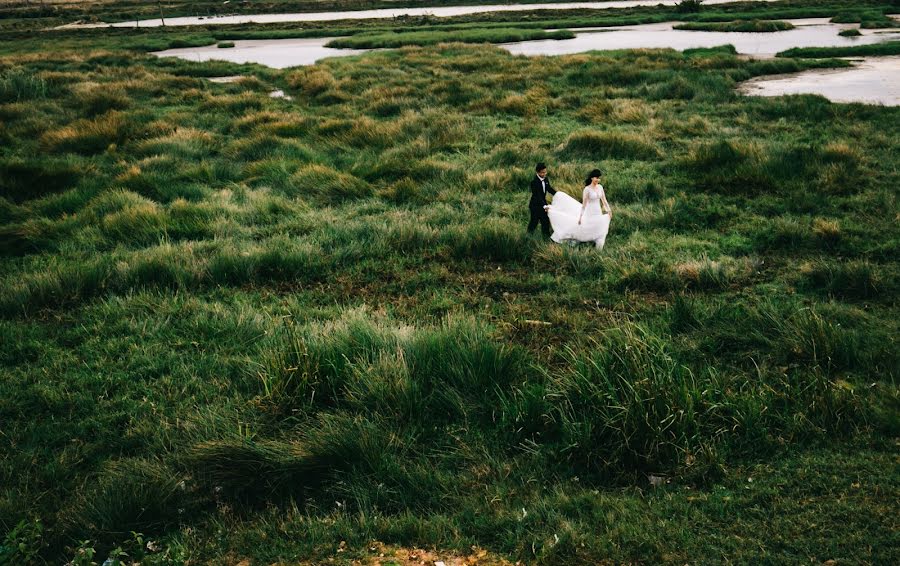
{"points": [[564, 213]]}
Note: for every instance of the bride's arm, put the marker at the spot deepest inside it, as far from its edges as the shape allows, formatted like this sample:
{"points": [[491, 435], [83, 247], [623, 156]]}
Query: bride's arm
{"points": [[606, 204], [584, 202]]}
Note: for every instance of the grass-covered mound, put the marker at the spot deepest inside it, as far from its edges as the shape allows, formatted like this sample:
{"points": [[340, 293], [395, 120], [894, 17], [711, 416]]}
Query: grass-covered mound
{"points": [[492, 35], [751, 26], [249, 327], [874, 50]]}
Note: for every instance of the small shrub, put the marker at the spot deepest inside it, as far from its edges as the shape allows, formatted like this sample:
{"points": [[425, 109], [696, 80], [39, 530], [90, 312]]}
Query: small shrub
{"points": [[689, 6]]}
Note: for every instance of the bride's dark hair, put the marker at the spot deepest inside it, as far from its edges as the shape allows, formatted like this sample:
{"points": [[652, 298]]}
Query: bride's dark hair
{"points": [[591, 175]]}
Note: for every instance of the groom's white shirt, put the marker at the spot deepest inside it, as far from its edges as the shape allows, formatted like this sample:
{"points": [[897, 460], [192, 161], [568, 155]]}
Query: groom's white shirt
{"points": [[543, 184]]}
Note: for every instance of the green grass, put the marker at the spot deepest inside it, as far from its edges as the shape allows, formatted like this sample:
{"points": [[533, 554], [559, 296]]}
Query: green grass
{"points": [[753, 26], [496, 35], [241, 327], [877, 49], [850, 33]]}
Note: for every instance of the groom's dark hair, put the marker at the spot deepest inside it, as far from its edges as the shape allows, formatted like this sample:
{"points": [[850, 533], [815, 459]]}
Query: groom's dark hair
{"points": [[540, 166]]}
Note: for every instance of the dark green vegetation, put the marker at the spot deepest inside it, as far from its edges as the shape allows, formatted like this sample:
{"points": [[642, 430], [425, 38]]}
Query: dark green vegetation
{"points": [[850, 33], [423, 38], [886, 48], [757, 26], [254, 327]]}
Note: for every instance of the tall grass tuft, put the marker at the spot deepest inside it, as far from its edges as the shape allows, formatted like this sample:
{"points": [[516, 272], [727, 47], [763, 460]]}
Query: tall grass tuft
{"points": [[327, 185], [129, 495], [250, 471], [23, 179], [853, 279], [88, 136], [602, 145], [626, 402], [18, 85]]}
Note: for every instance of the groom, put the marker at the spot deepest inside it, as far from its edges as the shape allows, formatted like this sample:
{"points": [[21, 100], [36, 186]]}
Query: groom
{"points": [[540, 186]]}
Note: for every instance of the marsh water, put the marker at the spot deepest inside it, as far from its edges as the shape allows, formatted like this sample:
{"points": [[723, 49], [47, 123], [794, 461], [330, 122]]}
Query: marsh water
{"points": [[275, 53], [809, 32], [436, 11], [812, 32], [872, 80]]}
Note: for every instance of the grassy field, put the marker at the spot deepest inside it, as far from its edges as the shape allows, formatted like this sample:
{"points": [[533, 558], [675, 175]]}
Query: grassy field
{"points": [[238, 327]]}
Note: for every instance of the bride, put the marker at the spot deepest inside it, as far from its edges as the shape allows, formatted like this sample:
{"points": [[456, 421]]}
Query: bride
{"points": [[581, 222]]}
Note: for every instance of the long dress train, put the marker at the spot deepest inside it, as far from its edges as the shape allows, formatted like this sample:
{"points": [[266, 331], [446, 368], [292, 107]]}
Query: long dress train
{"points": [[564, 213]]}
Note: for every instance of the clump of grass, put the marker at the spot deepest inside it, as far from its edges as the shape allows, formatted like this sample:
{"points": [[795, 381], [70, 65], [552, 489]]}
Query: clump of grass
{"points": [[313, 81], [129, 495], [24, 179], [867, 19], [370, 367], [591, 144], [630, 404], [875, 50], [422, 38], [18, 85], [184, 143], [728, 166], [89, 136], [142, 224], [249, 471], [225, 44], [746, 26], [856, 279], [531, 103], [492, 240], [328, 185], [404, 191], [96, 99], [853, 32]]}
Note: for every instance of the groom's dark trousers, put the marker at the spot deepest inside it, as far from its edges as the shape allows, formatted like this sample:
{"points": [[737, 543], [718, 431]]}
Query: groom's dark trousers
{"points": [[538, 201]]}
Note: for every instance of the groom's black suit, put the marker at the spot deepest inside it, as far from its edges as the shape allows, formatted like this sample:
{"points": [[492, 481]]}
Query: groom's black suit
{"points": [[538, 201]]}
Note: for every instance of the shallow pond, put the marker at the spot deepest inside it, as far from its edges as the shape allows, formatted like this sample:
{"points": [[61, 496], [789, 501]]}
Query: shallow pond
{"points": [[812, 32], [437, 11], [871, 80], [281, 53], [276, 53]]}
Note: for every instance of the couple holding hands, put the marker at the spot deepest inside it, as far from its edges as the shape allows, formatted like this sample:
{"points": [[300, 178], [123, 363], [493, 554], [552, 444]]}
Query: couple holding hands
{"points": [[572, 221]]}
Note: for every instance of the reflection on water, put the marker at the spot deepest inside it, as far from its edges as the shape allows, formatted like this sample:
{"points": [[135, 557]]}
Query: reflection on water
{"points": [[441, 12], [871, 81], [814, 32]]}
